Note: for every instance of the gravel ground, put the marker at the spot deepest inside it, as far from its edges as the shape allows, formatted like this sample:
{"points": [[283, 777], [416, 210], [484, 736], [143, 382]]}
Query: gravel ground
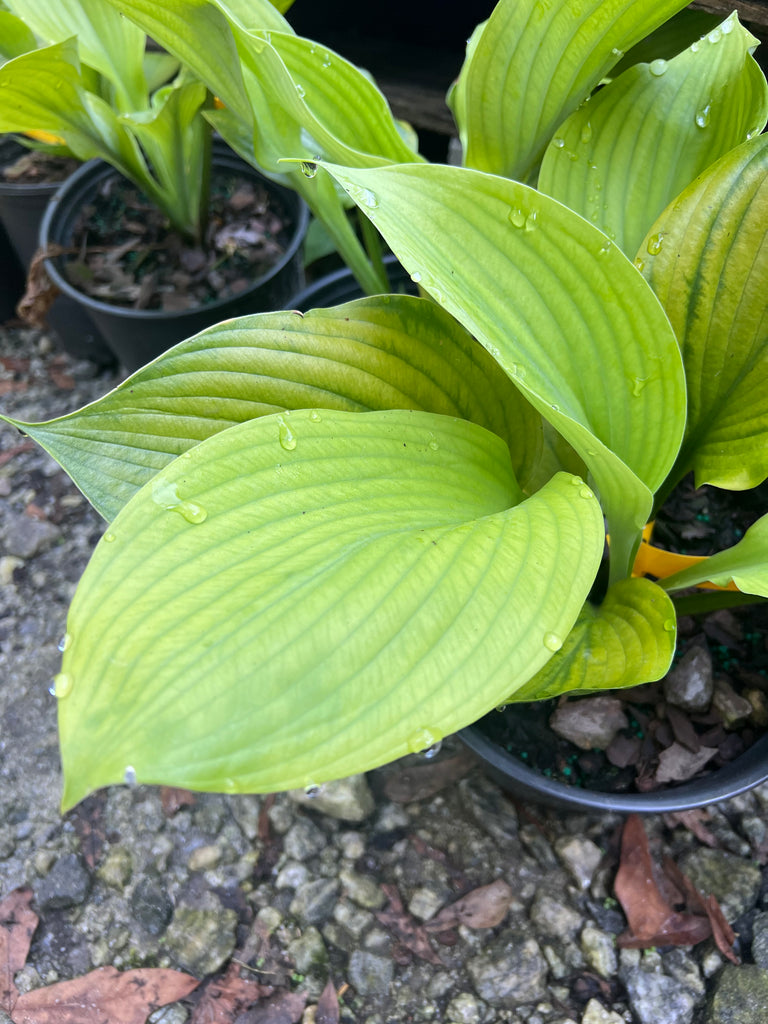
{"points": [[337, 886]]}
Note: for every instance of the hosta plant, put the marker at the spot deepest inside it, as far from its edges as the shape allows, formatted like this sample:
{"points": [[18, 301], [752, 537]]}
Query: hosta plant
{"points": [[334, 538], [78, 76]]}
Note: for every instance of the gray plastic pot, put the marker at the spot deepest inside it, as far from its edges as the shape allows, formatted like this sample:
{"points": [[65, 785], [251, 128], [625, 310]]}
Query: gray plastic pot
{"points": [[137, 336], [525, 783]]}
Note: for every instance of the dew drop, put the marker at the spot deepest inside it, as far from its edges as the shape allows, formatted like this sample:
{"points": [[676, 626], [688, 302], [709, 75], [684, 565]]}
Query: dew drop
{"points": [[129, 775], [618, 54], [555, 408], [669, 625], [518, 371], [229, 786], [752, 133], [311, 791], [433, 446], [604, 249], [62, 685], [658, 67], [308, 169], [501, 707], [315, 416], [695, 47], [369, 199], [702, 116], [285, 434], [654, 244], [166, 495], [586, 132], [585, 492], [327, 60], [640, 264], [727, 26], [432, 751], [516, 218], [530, 220], [638, 385], [423, 739], [572, 155], [108, 538], [300, 90], [715, 35], [558, 143], [552, 641], [65, 643], [416, 277]]}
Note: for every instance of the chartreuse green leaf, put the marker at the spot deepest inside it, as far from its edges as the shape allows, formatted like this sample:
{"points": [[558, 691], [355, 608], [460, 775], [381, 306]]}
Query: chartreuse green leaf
{"points": [[311, 594], [627, 640], [639, 141], [396, 352], [532, 64], [42, 91], [745, 564], [566, 316], [108, 43], [710, 271], [15, 37]]}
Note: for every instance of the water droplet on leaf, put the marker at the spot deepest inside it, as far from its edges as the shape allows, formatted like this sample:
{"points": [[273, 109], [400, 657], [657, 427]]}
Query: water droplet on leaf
{"points": [[432, 751], [552, 641], [669, 625], [640, 264], [300, 90], [416, 277], [129, 775], [311, 791], [702, 116], [658, 67], [654, 244], [586, 132], [715, 35], [604, 249], [308, 169], [108, 537], [638, 385], [530, 220], [166, 495], [62, 685], [433, 446], [369, 199], [558, 143], [315, 416], [65, 643], [516, 218], [285, 434], [585, 492], [422, 740]]}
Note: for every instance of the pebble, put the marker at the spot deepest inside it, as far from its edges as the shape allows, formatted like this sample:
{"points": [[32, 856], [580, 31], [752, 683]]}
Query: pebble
{"points": [[581, 857], [67, 884], [590, 723], [465, 1008], [204, 857], [345, 799], [599, 949], [314, 900], [735, 710], [369, 974], [740, 996], [116, 868], [151, 906], [690, 684], [304, 840], [510, 971], [201, 939], [658, 999], [554, 918], [25, 537], [596, 1013], [760, 939], [362, 889], [734, 882]]}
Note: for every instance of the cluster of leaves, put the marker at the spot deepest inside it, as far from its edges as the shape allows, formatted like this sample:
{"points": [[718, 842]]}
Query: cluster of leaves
{"points": [[335, 538], [77, 75]]}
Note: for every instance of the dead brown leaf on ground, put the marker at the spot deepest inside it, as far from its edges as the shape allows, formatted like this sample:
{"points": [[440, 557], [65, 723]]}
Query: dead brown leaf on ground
{"points": [[88, 821], [225, 998], [17, 926], [327, 1011], [651, 897], [173, 799], [484, 907], [695, 821], [281, 1008], [106, 994], [405, 927], [39, 296]]}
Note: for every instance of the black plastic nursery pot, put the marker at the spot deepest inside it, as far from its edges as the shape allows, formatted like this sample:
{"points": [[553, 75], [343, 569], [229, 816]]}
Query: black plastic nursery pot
{"points": [[341, 286], [136, 336], [22, 205], [525, 783]]}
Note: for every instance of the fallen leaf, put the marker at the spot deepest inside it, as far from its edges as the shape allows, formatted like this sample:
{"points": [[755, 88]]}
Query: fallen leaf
{"points": [[423, 781], [693, 820], [88, 821], [283, 1008], [327, 1011], [405, 927], [17, 926], [224, 998], [40, 292], [173, 799], [484, 907], [106, 994], [652, 921], [722, 932]]}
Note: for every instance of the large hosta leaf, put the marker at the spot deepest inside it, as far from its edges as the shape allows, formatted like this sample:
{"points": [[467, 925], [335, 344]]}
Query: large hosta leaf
{"points": [[396, 352], [638, 142], [531, 65], [745, 564], [710, 272], [567, 316], [629, 639], [311, 594]]}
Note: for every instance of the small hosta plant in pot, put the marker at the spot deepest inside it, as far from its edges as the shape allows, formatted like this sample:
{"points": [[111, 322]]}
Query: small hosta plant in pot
{"points": [[335, 538], [161, 229]]}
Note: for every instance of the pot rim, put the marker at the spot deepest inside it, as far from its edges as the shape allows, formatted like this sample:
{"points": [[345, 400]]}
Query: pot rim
{"points": [[744, 773], [97, 170]]}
